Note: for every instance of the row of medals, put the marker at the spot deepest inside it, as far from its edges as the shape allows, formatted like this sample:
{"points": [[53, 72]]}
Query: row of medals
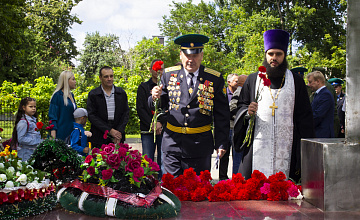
{"points": [[174, 92], [205, 95]]}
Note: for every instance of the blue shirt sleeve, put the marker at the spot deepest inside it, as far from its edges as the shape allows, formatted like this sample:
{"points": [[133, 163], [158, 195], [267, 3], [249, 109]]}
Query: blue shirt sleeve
{"points": [[54, 112], [74, 139]]}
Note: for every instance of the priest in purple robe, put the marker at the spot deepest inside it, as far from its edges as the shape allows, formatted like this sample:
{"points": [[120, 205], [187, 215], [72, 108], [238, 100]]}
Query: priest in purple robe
{"points": [[282, 116]]}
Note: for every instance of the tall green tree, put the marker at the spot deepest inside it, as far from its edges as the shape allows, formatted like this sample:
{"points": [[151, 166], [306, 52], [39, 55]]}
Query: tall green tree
{"points": [[98, 52], [37, 41]]}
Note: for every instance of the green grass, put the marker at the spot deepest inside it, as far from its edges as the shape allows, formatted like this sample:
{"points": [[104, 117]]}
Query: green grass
{"points": [[133, 136], [7, 127]]}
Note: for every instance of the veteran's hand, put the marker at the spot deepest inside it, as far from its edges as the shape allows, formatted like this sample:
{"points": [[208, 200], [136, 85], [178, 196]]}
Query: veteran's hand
{"points": [[156, 92], [252, 109], [158, 128]]}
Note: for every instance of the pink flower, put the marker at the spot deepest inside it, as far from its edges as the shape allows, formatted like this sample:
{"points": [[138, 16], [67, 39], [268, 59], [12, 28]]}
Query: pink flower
{"points": [[293, 191], [108, 148], [114, 161], [94, 152], [132, 165], [106, 134], [88, 159], [265, 189], [91, 170], [122, 152], [107, 174], [154, 166], [126, 146], [138, 172]]}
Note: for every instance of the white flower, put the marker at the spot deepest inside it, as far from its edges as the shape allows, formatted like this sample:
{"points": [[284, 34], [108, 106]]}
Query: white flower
{"points": [[11, 170], [18, 174], [3, 178], [9, 184], [19, 165], [35, 181], [1, 165], [22, 179]]}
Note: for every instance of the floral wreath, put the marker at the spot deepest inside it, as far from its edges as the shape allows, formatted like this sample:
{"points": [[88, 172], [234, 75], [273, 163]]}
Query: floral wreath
{"points": [[24, 191], [117, 181]]}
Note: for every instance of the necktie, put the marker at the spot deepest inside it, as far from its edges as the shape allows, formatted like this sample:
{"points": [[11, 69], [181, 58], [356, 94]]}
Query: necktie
{"points": [[191, 85]]}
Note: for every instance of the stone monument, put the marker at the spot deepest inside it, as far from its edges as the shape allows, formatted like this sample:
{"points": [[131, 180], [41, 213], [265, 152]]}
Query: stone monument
{"points": [[331, 167]]}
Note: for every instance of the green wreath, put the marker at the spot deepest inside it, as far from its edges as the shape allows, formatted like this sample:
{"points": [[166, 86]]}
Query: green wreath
{"points": [[167, 205], [55, 157]]}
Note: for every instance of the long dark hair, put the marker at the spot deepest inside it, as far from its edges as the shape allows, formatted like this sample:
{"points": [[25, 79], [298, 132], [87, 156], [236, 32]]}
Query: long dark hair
{"points": [[20, 114]]}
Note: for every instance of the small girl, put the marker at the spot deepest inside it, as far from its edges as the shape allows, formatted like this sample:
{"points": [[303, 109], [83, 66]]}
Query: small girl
{"points": [[24, 134]]}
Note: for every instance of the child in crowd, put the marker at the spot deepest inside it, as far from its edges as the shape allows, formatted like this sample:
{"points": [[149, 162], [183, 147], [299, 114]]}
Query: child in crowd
{"points": [[78, 137], [24, 134]]}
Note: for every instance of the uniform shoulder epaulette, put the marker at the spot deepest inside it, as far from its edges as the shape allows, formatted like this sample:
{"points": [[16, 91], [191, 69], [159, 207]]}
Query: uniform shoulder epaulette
{"points": [[213, 72], [173, 68]]}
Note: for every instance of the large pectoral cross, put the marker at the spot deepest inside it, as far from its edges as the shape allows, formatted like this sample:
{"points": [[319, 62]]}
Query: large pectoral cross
{"points": [[273, 107]]}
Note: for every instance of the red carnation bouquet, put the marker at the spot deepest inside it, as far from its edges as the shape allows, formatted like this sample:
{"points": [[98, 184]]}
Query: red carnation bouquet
{"points": [[190, 187], [266, 82], [40, 126], [157, 67]]}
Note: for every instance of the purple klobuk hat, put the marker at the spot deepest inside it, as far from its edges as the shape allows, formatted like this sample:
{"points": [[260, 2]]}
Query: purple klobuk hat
{"points": [[276, 39]]}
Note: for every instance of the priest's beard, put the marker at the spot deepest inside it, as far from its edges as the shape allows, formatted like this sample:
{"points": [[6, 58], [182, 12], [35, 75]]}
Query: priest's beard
{"points": [[277, 71]]}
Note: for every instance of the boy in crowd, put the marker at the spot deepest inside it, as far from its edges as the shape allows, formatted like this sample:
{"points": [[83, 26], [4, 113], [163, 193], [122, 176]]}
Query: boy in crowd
{"points": [[78, 137]]}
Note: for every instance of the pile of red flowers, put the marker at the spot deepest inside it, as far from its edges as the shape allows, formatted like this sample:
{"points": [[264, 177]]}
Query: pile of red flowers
{"points": [[25, 194], [190, 187]]}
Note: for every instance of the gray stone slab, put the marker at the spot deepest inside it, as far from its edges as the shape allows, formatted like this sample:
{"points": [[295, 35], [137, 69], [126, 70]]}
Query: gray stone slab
{"points": [[331, 174]]}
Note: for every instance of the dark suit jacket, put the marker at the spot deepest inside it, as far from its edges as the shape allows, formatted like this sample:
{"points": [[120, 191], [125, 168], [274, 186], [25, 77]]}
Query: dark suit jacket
{"points": [[98, 116], [323, 113], [185, 112]]}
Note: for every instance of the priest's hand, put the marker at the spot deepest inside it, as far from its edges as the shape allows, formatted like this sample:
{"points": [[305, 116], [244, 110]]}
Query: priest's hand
{"points": [[220, 152], [252, 109], [156, 92]]}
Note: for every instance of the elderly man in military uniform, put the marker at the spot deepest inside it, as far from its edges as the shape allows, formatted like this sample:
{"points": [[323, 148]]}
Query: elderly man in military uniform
{"points": [[195, 98]]}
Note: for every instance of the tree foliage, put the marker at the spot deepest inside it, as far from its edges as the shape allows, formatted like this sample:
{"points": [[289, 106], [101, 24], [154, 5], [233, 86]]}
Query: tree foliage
{"points": [[235, 28], [36, 41], [100, 51]]}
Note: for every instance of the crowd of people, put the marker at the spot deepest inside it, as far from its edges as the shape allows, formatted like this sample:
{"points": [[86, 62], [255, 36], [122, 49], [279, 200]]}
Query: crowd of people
{"points": [[200, 113]]}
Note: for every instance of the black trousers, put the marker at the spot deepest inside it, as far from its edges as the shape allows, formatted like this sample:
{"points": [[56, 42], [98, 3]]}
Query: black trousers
{"points": [[175, 164]]}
